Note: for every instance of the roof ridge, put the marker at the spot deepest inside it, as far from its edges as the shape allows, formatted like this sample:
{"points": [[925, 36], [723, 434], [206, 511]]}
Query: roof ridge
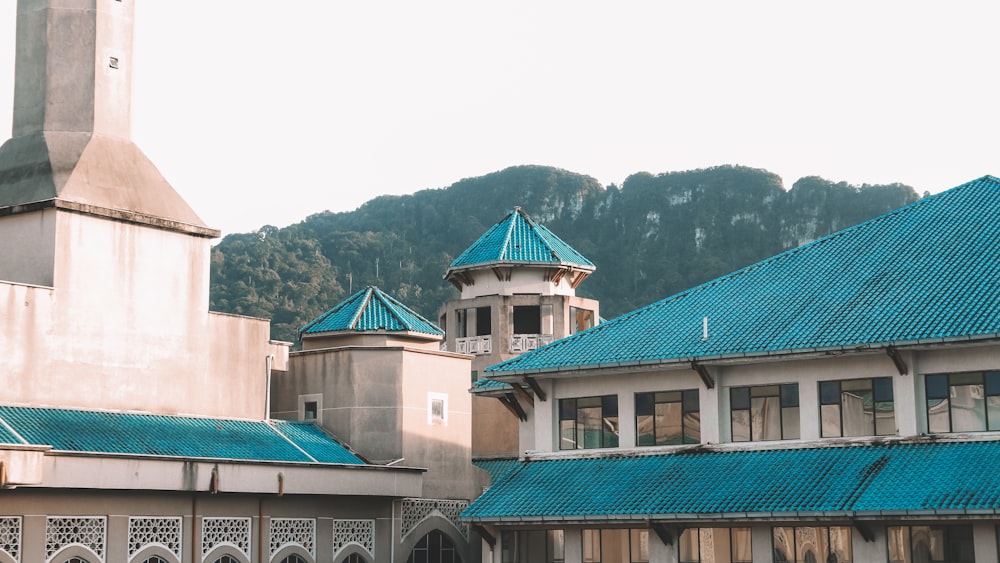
{"points": [[274, 429], [510, 230], [361, 309]]}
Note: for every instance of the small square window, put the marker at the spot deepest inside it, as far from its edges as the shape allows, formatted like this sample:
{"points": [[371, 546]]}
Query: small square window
{"points": [[309, 410], [437, 408]]}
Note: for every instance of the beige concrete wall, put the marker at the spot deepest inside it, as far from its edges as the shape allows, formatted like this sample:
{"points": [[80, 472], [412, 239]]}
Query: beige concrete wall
{"points": [[126, 326], [376, 400], [339, 340], [522, 280], [29, 248]]}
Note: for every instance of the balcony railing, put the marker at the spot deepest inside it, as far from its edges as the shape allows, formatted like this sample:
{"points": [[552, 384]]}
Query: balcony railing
{"points": [[520, 343], [474, 345]]}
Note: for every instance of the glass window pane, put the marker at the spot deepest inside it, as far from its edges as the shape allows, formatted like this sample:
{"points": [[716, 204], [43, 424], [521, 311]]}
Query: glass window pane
{"points": [[937, 386], [691, 401], [857, 411], [959, 547], [840, 544], [556, 548], [590, 425], [938, 413], [899, 544], [765, 418], [790, 395], [591, 546], [668, 423], [829, 392], [968, 409], [765, 391], [644, 431], [783, 540], [643, 403], [689, 552], [567, 435], [739, 398], [856, 385], [992, 382], [790, 423], [639, 540], [810, 544], [740, 548], [993, 411], [965, 379], [882, 388], [741, 425], [927, 543], [830, 421], [567, 409], [692, 428], [668, 396], [885, 418]]}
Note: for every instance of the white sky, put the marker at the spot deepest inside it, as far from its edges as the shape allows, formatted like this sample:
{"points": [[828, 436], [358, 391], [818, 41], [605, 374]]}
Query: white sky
{"points": [[266, 112]]}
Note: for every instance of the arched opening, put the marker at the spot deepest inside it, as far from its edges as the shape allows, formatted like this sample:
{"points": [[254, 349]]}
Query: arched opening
{"points": [[434, 547], [294, 558], [77, 560], [226, 559], [154, 559]]}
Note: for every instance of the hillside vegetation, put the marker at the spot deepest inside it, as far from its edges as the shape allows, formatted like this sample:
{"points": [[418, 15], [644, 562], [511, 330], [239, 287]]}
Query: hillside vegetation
{"points": [[650, 238]]}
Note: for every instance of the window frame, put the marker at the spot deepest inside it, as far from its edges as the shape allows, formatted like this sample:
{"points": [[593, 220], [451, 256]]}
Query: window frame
{"points": [[832, 394], [989, 380], [787, 395], [570, 410], [690, 403]]}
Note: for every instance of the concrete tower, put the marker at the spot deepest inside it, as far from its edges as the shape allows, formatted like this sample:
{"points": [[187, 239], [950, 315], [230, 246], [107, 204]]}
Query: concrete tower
{"points": [[106, 267], [518, 292]]}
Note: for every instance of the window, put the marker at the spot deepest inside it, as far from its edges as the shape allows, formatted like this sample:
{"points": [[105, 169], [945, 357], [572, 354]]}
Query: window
{"points": [[912, 544], [437, 408], [295, 559], [309, 410], [812, 545], [616, 546], [580, 319], [473, 322], [227, 559], [715, 545], [667, 418], [484, 321], [154, 559], [310, 407], [963, 402], [533, 546], [766, 412], [435, 547], [588, 422], [857, 407], [527, 319]]}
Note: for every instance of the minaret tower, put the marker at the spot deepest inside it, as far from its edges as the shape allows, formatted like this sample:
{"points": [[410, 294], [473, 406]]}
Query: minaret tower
{"points": [[71, 149], [518, 292]]}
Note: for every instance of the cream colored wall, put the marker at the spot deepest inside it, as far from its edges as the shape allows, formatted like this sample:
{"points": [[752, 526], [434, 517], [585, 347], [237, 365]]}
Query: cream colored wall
{"points": [[443, 447], [338, 340], [376, 400], [522, 280], [126, 326], [908, 390]]}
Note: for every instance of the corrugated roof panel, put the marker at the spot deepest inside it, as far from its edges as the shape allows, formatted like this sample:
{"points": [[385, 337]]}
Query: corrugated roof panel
{"points": [[697, 482], [928, 270], [518, 239], [160, 435]]}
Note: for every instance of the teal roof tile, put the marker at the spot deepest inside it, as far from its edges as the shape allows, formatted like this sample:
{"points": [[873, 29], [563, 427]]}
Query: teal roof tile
{"points": [[173, 436], [518, 239], [699, 482], [928, 271], [497, 468], [371, 309]]}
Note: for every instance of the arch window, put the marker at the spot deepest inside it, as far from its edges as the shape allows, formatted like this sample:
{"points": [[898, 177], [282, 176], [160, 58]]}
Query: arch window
{"points": [[293, 558], [435, 547], [77, 560], [227, 559], [154, 559]]}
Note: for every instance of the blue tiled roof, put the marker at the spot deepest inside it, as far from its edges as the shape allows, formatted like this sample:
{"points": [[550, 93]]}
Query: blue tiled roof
{"points": [[172, 436], [926, 272], [518, 239], [497, 468], [486, 385], [891, 478], [371, 309]]}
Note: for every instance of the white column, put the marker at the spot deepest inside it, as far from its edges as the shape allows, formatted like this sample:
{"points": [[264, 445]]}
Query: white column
{"points": [[573, 544], [984, 540], [760, 540]]}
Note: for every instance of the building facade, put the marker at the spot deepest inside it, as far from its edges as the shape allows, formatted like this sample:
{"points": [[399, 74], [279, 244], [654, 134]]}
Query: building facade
{"points": [[837, 402], [518, 286]]}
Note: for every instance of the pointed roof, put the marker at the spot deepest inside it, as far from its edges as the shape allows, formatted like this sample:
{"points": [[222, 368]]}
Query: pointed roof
{"points": [[371, 310], [517, 240], [924, 273]]}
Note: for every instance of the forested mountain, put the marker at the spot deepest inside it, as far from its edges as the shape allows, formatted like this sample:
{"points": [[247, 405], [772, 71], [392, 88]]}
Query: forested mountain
{"points": [[650, 238]]}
